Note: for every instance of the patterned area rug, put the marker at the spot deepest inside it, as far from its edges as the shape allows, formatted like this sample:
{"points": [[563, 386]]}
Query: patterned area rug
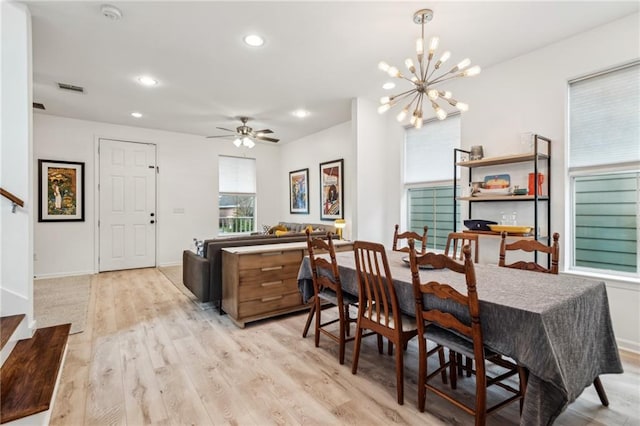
{"points": [[62, 300]]}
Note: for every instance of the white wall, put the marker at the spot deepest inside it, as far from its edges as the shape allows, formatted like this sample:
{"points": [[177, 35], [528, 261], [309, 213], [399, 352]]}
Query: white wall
{"points": [[16, 229], [187, 189], [529, 93], [330, 144]]}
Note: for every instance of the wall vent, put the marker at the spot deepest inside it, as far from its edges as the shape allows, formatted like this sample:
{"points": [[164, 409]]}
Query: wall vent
{"points": [[38, 105], [71, 87]]}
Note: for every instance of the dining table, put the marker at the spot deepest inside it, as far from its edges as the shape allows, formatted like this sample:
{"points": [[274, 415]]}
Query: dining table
{"points": [[556, 326]]}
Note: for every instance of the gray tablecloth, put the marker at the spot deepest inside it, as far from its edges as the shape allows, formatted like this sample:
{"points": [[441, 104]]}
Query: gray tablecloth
{"points": [[557, 326]]}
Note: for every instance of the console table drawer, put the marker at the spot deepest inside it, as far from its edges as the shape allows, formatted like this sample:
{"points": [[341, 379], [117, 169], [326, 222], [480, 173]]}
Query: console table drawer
{"points": [[267, 289], [268, 260], [268, 304]]}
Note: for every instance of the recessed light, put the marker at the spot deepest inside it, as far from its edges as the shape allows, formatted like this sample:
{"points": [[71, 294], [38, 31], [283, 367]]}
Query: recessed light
{"points": [[254, 40], [300, 113], [145, 80], [136, 114], [389, 85]]}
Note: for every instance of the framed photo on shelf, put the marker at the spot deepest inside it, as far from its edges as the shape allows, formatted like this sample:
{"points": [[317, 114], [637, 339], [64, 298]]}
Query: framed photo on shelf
{"points": [[60, 191], [332, 190], [299, 191]]}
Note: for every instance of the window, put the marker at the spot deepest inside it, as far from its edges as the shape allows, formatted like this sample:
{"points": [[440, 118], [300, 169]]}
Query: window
{"points": [[237, 195], [429, 189], [604, 171]]}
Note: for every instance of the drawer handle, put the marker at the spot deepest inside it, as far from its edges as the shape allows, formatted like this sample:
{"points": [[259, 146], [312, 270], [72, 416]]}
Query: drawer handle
{"points": [[273, 253], [269, 299], [271, 268], [270, 283]]}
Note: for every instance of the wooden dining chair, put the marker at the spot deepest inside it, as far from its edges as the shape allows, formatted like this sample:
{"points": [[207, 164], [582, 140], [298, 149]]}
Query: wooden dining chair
{"points": [[554, 251], [397, 237], [453, 249], [457, 240], [460, 332], [327, 289], [530, 246], [378, 307]]}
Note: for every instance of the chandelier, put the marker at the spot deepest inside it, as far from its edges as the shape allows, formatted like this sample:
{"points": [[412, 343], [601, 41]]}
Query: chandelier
{"points": [[424, 77]]}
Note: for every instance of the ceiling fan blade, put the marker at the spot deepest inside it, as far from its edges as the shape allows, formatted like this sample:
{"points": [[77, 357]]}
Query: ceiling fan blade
{"points": [[228, 130], [264, 131], [264, 138], [221, 136]]}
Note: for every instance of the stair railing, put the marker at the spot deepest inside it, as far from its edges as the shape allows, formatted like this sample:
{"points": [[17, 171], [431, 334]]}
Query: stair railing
{"points": [[16, 202]]}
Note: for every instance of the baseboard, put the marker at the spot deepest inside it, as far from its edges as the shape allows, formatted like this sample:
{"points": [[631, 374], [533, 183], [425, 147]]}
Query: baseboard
{"points": [[62, 274], [628, 346], [168, 264]]}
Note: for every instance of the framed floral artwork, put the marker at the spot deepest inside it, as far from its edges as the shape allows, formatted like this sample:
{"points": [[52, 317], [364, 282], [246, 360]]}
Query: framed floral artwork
{"points": [[332, 190], [299, 191], [60, 191]]}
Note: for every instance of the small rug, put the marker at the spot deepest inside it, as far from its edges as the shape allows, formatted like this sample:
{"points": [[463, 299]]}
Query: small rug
{"points": [[174, 274], [62, 300]]}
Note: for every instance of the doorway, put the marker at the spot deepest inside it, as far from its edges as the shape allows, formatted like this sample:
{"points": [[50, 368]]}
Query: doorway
{"points": [[127, 199]]}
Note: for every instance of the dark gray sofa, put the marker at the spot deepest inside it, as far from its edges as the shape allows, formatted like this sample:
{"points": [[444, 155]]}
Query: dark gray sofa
{"points": [[202, 275]]}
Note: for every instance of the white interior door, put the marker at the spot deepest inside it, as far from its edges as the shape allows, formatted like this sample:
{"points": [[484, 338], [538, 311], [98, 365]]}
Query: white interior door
{"points": [[127, 205]]}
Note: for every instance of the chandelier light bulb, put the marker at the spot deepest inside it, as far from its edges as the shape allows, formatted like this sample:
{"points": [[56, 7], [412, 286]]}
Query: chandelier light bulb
{"points": [[383, 108], [402, 115], [464, 63], [474, 70], [440, 113], [462, 106], [414, 79], [413, 119], [385, 100], [409, 63], [433, 45], [420, 47], [418, 123], [383, 66], [393, 72], [433, 94], [445, 57], [446, 94]]}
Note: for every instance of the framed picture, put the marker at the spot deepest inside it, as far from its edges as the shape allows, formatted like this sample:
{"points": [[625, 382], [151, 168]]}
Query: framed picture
{"points": [[60, 191], [299, 191], [331, 190]]}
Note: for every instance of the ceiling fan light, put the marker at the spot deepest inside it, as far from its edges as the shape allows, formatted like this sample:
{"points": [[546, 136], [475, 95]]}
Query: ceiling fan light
{"points": [[237, 142], [249, 143]]}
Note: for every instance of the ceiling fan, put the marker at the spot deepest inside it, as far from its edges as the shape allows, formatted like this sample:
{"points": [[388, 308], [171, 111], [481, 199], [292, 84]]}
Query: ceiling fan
{"points": [[245, 135]]}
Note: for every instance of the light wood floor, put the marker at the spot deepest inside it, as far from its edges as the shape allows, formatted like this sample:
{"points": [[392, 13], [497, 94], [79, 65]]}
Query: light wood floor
{"points": [[151, 356]]}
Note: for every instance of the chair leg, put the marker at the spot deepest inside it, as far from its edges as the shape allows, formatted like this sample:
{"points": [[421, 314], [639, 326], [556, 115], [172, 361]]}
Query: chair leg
{"points": [[422, 371], [356, 350], [312, 310], [601, 393], [459, 361], [342, 339], [347, 320], [441, 359], [318, 319], [453, 376], [469, 366], [380, 343], [522, 375], [399, 375]]}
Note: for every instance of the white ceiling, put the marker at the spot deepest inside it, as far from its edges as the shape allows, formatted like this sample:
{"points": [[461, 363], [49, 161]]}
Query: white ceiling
{"points": [[317, 55]]}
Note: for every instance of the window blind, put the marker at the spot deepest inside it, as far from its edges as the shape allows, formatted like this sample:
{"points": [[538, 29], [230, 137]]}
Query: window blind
{"points": [[604, 123], [429, 150], [432, 206], [237, 175]]}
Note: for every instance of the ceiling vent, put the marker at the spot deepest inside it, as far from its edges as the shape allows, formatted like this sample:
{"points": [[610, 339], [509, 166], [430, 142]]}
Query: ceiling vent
{"points": [[71, 87], [38, 105]]}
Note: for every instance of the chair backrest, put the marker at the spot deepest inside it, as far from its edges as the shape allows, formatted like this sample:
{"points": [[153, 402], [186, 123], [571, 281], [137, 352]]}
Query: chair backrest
{"points": [[468, 302], [410, 235], [531, 246], [330, 278], [376, 293], [457, 240]]}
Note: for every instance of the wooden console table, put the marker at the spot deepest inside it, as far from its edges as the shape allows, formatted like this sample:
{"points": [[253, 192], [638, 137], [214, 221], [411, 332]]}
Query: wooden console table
{"points": [[261, 281]]}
